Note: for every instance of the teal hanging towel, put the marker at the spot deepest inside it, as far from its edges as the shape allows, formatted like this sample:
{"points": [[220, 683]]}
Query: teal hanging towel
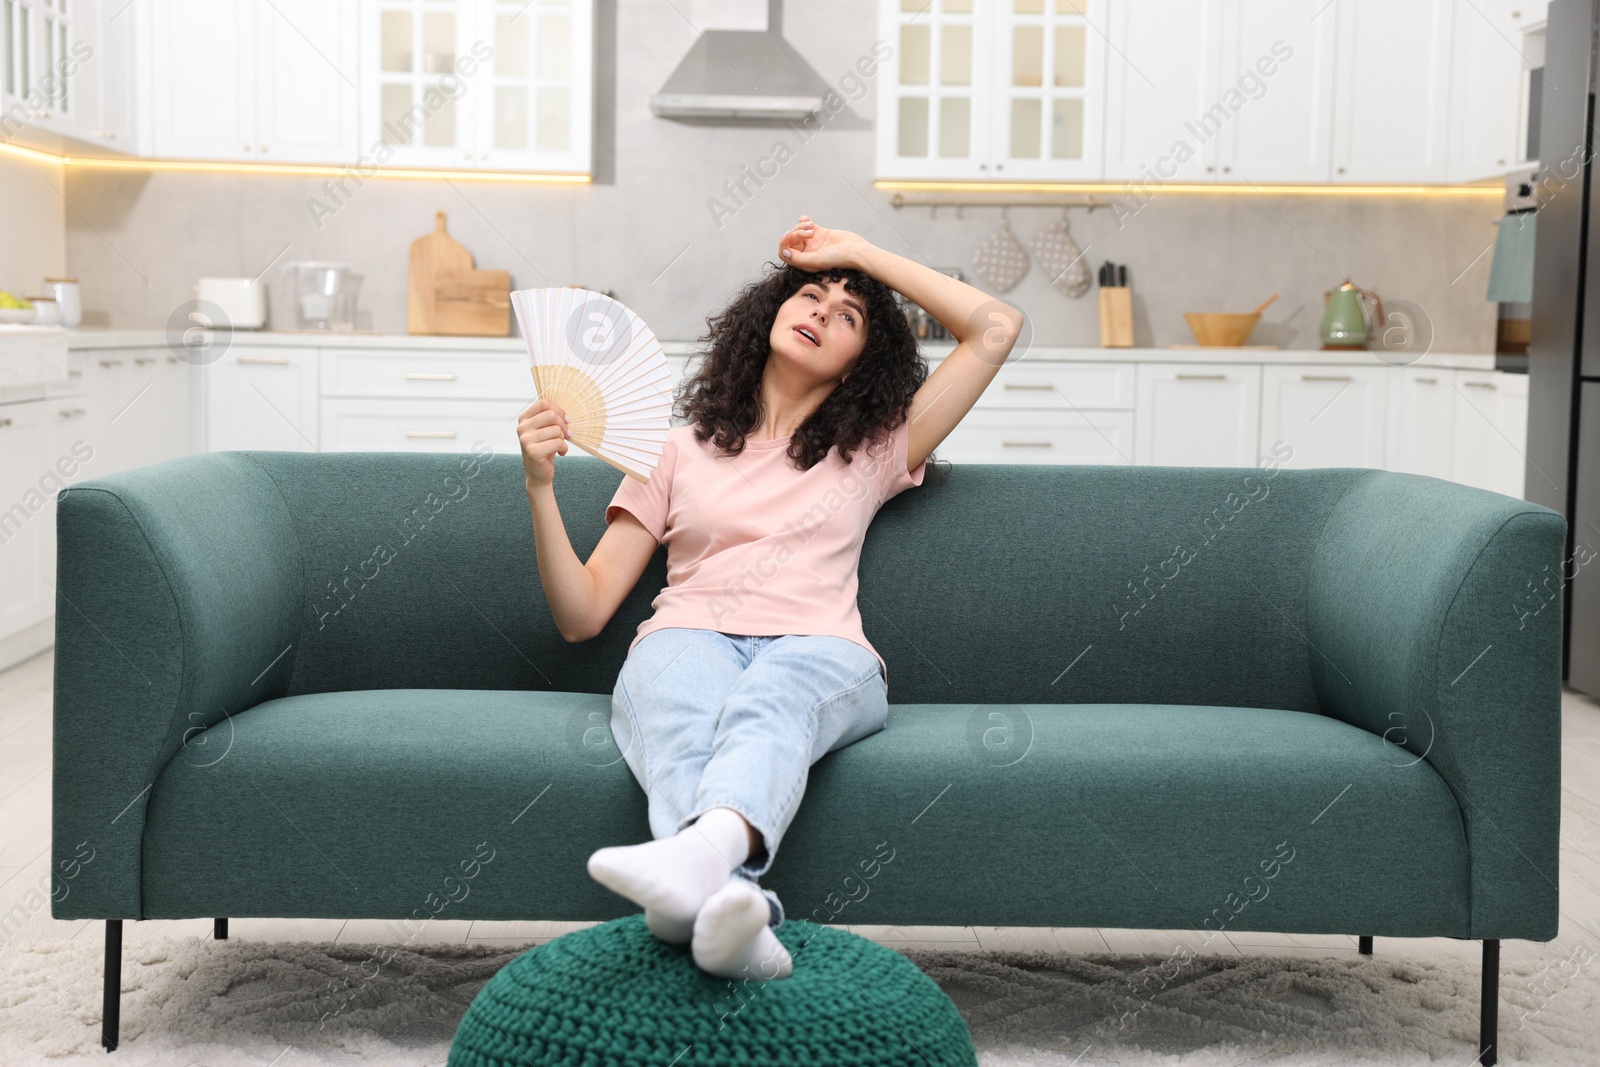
{"points": [[1511, 269]]}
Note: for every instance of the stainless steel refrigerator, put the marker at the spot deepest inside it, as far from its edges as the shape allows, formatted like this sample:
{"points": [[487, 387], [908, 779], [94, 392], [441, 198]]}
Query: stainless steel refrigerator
{"points": [[1563, 454]]}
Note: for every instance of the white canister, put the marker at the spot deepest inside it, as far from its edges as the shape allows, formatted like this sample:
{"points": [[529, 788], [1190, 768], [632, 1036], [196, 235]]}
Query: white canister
{"points": [[67, 299], [46, 311]]}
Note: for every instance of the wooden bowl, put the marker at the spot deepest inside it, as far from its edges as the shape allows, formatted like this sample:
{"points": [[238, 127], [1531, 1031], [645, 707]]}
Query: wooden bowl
{"points": [[1221, 329]]}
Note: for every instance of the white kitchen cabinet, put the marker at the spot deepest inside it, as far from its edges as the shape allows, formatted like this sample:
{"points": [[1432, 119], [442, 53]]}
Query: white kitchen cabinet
{"points": [[306, 88], [1162, 112], [1422, 414], [420, 426], [27, 515], [535, 112], [425, 374], [1048, 106], [934, 91], [253, 80], [1391, 92], [16, 51], [115, 389], [1006, 91], [987, 435], [486, 84], [1276, 96], [44, 446], [262, 398], [1072, 386], [106, 81], [1198, 414], [140, 407], [1219, 90], [45, 46], [1486, 86], [1332, 416], [1491, 431], [200, 81]]}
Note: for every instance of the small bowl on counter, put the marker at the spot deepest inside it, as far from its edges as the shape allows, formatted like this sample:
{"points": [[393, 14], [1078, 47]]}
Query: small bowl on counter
{"points": [[1221, 329], [18, 316], [1225, 329]]}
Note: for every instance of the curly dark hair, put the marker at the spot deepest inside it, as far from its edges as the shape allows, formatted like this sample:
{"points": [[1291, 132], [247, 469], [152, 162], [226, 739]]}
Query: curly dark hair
{"points": [[722, 397]]}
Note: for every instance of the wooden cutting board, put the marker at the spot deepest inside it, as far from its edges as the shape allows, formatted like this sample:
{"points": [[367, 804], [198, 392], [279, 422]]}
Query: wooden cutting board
{"points": [[447, 295]]}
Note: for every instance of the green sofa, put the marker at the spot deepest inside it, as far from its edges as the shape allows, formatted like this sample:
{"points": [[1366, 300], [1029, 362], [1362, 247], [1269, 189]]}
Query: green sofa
{"points": [[1318, 701]]}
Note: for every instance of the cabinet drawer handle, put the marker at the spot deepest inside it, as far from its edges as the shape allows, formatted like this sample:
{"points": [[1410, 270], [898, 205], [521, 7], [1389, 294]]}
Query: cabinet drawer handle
{"points": [[1480, 385], [4, 423], [1324, 377], [1026, 444], [1426, 381], [74, 374], [1023, 385], [272, 361], [111, 363], [1202, 377], [71, 413], [418, 376], [142, 361], [431, 433]]}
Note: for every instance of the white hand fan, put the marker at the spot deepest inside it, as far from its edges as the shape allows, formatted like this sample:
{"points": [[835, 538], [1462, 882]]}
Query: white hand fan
{"points": [[600, 363]]}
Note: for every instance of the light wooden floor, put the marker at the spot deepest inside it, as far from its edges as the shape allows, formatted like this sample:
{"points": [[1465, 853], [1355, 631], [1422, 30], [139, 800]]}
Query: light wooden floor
{"points": [[25, 724]]}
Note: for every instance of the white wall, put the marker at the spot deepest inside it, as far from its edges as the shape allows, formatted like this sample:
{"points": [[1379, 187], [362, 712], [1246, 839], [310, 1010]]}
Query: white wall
{"points": [[33, 232]]}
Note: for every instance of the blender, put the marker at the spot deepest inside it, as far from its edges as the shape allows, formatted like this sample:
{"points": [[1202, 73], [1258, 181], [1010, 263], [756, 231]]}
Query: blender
{"points": [[321, 298]]}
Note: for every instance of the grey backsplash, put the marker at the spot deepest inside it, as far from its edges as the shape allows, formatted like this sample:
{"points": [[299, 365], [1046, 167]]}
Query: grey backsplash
{"points": [[647, 229]]}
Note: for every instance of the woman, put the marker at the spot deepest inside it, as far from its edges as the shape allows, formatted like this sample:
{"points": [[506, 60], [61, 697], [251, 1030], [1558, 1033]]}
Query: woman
{"points": [[811, 409]]}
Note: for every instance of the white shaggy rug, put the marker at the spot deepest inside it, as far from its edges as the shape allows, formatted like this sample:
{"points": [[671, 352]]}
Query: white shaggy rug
{"points": [[290, 1004]]}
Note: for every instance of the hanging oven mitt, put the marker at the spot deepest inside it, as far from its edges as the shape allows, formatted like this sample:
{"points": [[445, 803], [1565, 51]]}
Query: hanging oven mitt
{"points": [[1061, 260], [1000, 261]]}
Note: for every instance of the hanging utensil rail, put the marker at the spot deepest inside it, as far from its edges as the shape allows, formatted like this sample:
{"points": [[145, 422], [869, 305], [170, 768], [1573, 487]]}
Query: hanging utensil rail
{"points": [[899, 200]]}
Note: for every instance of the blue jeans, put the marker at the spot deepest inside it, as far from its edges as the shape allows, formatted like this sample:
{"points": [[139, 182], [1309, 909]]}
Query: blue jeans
{"points": [[707, 719]]}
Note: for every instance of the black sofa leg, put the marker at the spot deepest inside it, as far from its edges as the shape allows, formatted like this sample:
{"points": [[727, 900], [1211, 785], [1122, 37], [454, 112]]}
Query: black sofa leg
{"points": [[1364, 945], [111, 1007], [1489, 1019], [219, 929]]}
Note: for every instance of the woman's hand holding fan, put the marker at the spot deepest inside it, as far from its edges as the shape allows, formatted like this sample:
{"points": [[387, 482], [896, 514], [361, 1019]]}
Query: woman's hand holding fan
{"points": [[543, 434], [602, 369]]}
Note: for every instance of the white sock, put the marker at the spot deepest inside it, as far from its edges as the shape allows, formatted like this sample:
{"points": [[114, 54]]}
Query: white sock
{"points": [[672, 877], [732, 938]]}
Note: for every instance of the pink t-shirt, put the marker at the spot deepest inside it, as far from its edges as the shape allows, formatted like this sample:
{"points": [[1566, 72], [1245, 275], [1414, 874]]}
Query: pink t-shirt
{"points": [[755, 546]]}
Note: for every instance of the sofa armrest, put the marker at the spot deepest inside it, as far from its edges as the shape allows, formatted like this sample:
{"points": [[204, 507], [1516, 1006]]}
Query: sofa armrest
{"points": [[1425, 630], [178, 598]]}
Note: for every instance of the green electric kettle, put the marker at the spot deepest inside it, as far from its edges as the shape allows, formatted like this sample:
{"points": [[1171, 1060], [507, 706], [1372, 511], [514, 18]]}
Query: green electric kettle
{"points": [[1346, 323]]}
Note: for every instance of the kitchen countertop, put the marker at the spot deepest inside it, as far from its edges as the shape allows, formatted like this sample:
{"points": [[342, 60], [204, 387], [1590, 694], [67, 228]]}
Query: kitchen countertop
{"points": [[102, 338]]}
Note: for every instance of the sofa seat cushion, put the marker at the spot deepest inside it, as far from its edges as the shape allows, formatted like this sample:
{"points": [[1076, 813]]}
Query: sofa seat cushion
{"points": [[485, 804]]}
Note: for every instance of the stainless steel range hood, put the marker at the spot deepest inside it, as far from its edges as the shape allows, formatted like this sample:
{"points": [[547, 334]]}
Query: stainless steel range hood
{"points": [[745, 74]]}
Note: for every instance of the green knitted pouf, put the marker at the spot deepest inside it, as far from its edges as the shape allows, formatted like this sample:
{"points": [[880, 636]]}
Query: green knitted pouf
{"points": [[615, 995]]}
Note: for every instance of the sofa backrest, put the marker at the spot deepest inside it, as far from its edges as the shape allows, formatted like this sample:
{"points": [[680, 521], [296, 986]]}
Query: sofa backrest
{"points": [[997, 583]]}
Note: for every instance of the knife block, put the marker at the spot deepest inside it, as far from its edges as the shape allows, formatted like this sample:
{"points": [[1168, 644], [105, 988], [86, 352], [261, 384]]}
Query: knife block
{"points": [[1116, 316]]}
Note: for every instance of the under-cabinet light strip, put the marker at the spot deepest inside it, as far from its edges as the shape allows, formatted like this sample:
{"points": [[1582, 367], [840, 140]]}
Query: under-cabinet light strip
{"points": [[1131, 189], [306, 169]]}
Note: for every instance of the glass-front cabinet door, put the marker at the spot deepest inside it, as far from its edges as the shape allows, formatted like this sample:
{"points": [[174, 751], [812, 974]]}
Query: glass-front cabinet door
{"points": [[418, 77], [16, 49], [933, 90], [41, 56], [486, 84], [1048, 99], [536, 109], [992, 89]]}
